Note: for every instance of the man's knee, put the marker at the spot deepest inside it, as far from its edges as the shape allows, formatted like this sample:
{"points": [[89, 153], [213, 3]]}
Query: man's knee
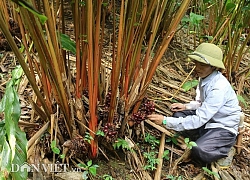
{"points": [[205, 155], [200, 155]]}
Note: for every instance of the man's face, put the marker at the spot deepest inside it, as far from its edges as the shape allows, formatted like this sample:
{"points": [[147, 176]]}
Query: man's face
{"points": [[202, 69]]}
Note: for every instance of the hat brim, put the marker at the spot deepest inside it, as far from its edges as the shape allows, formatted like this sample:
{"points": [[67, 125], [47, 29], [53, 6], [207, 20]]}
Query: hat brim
{"points": [[213, 62]]}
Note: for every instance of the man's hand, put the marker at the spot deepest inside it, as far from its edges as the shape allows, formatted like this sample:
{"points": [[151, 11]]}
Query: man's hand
{"points": [[177, 107], [156, 118]]}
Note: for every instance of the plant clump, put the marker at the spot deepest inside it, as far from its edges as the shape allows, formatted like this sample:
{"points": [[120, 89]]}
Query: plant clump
{"points": [[110, 132], [78, 147], [147, 107]]}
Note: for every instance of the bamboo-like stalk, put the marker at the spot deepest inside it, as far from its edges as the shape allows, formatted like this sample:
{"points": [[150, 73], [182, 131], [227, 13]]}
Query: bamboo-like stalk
{"points": [[91, 81], [51, 23], [22, 63], [96, 71], [117, 66], [77, 25], [166, 40], [241, 53], [5, 14], [156, 23], [49, 56], [83, 84], [128, 50]]}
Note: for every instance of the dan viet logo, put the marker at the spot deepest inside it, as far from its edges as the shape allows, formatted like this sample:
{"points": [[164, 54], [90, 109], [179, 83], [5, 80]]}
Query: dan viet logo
{"points": [[57, 167]]}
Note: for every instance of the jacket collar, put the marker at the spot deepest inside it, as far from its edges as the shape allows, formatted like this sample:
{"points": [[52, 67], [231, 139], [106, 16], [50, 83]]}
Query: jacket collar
{"points": [[209, 78]]}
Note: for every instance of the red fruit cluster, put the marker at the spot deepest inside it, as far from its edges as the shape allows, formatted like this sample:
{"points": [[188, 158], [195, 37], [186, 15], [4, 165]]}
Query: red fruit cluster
{"points": [[138, 117], [108, 99], [147, 107], [109, 131]]}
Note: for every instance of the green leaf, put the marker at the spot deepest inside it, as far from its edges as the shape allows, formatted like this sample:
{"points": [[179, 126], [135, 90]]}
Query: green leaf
{"points": [[168, 140], [54, 148], [6, 157], [62, 156], [107, 177], [85, 175], [67, 43], [83, 3], [121, 143], [105, 4], [246, 8], [195, 18], [17, 72], [192, 143], [165, 154], [82, 165], [174, 140], [53, 144], [100, 133], [242, 100], [185, 19], [190, 84], [30, 8], [230, 6], [14, 147], [92, 170], [2, 103], [12, 114], [206, 170], [89, 163], [174, 101], [186, 140], [210, 172], [209, 38], [21, 156]]}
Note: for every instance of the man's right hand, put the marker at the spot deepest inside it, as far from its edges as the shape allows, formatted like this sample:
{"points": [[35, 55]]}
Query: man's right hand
{"points": [[177, 107], [156, 118]]}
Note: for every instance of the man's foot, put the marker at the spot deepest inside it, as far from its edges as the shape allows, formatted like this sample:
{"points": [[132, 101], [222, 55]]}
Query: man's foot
{"points": [[226, 161]]}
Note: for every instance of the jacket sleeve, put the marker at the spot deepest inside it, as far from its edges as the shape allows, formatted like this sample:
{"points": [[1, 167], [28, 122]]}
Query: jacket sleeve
{"points": [[213, 102], [193, 105]]}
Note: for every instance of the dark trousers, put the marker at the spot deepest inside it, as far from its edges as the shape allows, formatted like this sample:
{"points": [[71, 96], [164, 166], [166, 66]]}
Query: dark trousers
{"points": [[212, 144]]}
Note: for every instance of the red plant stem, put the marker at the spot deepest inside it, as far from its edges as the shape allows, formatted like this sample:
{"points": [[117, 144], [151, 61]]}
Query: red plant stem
{"points": [[91, 72], [78, 48], [113, 88], [166, 40], [83, 84], [118, 64]]}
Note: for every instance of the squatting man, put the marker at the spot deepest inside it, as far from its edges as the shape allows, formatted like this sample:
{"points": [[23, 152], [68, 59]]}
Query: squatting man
{"points": [[214, 115]]}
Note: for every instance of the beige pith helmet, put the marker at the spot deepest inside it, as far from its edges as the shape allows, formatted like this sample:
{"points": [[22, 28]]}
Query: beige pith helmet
{"points": [[208, 53]]}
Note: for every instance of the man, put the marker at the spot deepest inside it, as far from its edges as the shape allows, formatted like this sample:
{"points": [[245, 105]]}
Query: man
{"points": [[215, 114]]}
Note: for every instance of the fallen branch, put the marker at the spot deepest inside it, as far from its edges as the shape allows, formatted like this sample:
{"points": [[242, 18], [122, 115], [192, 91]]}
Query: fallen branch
{"points": [[165, 92], [144, 174], [200, 176], [174, 150], [160, 157], [184, 157], [164, 130], [38, 134], [215, 170]]}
